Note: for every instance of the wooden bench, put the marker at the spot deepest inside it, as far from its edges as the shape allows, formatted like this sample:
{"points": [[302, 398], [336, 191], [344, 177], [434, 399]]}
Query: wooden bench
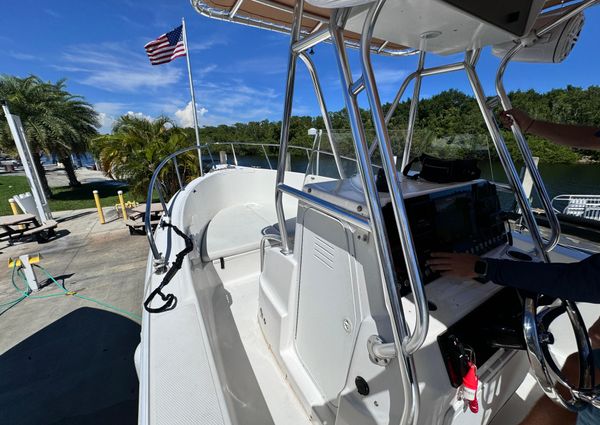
{"points": [[42, 233], [137, 226]]}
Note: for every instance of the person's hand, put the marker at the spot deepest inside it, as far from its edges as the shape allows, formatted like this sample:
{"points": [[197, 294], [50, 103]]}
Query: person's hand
{"points": [[521, 117], [594, 333], [456, 265]]}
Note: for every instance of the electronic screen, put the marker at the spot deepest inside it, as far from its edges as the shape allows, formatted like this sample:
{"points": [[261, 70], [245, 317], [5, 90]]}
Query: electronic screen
{"points": [[510, 15], [465, 219]]}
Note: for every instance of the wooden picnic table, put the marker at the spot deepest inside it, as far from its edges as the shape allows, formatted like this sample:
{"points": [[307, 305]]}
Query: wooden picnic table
{"points": [[28, 225], [13, 220], [154, 208], [136, 219]]}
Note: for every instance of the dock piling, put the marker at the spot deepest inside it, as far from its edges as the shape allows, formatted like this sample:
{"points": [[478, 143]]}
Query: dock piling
{"points": [[99, 207], [122, 202]]}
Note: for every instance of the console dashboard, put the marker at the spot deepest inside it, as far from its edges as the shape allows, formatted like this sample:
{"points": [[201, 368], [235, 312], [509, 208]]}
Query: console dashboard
{"points": [[460, 217], [466, 219]]}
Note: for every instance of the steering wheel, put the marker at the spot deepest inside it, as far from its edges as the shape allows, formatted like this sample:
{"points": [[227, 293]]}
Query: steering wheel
{"points": [[538, 339]]}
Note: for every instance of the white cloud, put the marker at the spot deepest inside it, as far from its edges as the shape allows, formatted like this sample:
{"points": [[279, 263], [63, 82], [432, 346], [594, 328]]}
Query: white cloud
{"points": [[185, 117], [228, 102], [111, 108], [53, 13], [106, 122], [22, 56], [386, 75], [206, 44], [109, 112], [115, 67], [139, 115]]}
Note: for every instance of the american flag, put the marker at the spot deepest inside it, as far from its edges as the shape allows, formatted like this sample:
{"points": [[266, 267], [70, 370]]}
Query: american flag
{"points": [[166, 47]]}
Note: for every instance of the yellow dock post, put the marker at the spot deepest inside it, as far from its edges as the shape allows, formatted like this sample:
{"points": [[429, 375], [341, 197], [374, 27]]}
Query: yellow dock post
{"points": [[99, 207], [15, 210], [13, 206], [122, 202]]}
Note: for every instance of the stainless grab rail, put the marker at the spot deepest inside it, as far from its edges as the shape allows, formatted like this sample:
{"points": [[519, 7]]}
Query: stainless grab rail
{"points": [[412, 341], [526, 154], [153, 186], [285, 122], [505, 157], [158, 260], [398, 323], [520, 138], [326, 207]]}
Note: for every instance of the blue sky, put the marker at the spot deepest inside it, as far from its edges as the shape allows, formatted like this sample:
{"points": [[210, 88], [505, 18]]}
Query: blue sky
{"points": [[239, 71]]}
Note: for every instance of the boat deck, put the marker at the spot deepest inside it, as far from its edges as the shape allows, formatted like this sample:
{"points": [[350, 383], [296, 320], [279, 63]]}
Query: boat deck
{"points": [[283, 405]]}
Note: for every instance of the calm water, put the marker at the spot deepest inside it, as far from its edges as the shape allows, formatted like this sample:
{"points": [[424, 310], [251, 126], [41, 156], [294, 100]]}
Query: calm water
{"points": [[558, 178]]}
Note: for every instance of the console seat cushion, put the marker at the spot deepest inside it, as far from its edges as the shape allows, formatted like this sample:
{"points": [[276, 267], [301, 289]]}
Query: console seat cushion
{"points": [[240, 228]]}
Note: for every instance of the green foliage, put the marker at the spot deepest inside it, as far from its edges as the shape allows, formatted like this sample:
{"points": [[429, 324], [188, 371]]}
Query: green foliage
{"points": [[449, 124], [65, 198], [136, 147], [54, 120]]}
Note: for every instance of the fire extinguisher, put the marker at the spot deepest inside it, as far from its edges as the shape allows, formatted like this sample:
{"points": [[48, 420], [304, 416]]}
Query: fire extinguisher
{"points": [[469, 388]]}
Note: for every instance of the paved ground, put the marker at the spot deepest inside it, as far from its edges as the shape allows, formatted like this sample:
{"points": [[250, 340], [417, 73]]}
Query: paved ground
{"points": [[64, 360]]}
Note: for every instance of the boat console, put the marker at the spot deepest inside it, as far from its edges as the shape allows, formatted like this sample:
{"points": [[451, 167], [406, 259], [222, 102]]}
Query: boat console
{"points": [[457, 217]]}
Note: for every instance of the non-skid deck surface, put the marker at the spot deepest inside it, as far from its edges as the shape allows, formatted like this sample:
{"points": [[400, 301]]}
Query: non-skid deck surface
{"points": [[285, 408]]}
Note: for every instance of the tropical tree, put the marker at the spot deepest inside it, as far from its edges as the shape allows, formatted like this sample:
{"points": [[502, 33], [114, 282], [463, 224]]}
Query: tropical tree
{"points": [[137, 145], [54, 120]]}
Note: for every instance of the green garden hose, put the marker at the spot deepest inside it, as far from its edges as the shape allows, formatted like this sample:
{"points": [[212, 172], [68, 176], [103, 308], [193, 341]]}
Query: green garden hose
{"points": [[64, 292]]}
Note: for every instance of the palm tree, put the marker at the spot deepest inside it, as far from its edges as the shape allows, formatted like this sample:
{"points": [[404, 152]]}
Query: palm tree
{"points": [[137, 145], [54, 121]]}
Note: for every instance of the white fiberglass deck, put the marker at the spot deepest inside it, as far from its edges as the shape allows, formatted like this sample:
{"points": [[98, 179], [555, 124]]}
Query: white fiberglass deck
{"points": [[285, 408]]}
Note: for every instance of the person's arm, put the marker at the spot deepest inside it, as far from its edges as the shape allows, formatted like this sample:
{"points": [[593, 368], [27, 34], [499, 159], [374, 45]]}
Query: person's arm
{"points": [[574, 281], [576, 136]]}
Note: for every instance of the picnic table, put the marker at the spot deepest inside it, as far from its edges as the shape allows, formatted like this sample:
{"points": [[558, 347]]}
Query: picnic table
{"points": [[136, 219], [23, 225]]}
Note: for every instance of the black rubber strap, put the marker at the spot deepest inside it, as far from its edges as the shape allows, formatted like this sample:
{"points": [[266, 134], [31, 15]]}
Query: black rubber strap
{"points": [[170, 300]]}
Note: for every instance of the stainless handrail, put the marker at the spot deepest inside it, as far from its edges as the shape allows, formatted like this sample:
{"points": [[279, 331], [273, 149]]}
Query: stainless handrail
{"points": [[412, 341], [412, 113], [326, 207], [591, 201], [173, 157], [285, 122], [159, 261], [505, 157], [398, 324], [323, 107], [526, 154], [425, 72]]}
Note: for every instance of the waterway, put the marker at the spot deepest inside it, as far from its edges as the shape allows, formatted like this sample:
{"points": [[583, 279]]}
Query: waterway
{"points": [[558, 178]]}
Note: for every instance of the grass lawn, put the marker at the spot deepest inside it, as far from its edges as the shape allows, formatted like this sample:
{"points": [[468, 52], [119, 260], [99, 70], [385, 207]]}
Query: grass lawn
{"points": [[64, 198]]}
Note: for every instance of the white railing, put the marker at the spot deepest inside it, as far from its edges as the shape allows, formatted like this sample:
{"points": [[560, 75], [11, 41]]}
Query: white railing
{"points": [[586, 206]]}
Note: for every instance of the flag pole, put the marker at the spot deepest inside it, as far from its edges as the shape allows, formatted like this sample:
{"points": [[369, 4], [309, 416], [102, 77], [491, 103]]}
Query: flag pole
{"points": [[189, 66]]}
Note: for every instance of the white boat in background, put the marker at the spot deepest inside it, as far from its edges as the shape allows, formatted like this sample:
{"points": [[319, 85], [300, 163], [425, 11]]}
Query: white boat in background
{"points": [[285, 297]]}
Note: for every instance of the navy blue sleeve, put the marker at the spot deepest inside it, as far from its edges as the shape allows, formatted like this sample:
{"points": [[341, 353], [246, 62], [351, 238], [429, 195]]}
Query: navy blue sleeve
{"points": [[574, 281], [597, 134]]}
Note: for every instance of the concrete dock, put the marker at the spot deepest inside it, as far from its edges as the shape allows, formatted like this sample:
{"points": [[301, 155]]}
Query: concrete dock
{"points": [[64, 360]]}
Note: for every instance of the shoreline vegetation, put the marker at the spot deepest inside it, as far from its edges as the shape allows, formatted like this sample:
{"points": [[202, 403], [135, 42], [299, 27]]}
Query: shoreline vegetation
{"points": [[448, 123]]}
